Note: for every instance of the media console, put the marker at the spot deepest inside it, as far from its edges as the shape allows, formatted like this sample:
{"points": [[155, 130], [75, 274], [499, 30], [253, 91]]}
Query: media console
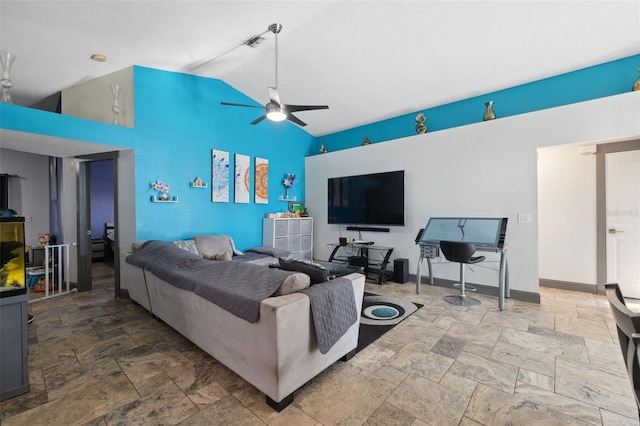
{"points": [[371, 257]]}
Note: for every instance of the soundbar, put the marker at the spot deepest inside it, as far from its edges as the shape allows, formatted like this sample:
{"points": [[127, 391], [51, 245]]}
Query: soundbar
{"points": [[367, 228]]}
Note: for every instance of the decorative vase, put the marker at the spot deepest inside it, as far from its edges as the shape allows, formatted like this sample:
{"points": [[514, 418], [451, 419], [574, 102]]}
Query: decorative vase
{"points": [[421, 127], [115, 91], [6, 60], [286, 192], [636, 85], [489, 114], [164, 196]]}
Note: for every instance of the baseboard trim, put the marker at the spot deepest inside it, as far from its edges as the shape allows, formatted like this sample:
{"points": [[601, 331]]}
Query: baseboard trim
{"points": [[524, 296], [568, 285]]}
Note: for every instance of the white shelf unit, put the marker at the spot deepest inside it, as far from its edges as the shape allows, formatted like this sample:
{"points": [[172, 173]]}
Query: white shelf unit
{"points": [[293, 234]]}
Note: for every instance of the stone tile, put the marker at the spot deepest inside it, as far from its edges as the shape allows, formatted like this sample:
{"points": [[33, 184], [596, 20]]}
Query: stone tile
{"points": [[225, 412], [416, 358], [484, 334], [390, 374], [372, 357], [416, 331], [64, 379], [104, 348], [430, 402], [519, 356], [592, 329], [388, 414], [149, 385], [290, 416], [82, 316], [483, 370], [595, 387], [490, 406], [507, 319], [548, 341], [449, 346], [143, 362], [569, 406], [208, 394], [344, 394], [79, 407], [606, 356], [166, 405], [614, 419], [535, 379]]}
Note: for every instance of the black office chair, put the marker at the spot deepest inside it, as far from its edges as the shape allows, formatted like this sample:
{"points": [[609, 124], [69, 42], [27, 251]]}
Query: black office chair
{"points": [[456, 251], [628, 326]]}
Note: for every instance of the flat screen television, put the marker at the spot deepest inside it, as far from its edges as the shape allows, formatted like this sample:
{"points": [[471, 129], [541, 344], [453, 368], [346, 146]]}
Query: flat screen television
{"points": [[372, 199]]}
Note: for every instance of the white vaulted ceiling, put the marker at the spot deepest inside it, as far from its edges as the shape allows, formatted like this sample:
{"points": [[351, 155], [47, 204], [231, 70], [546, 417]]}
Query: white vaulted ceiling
{"points": [[367, 60]]}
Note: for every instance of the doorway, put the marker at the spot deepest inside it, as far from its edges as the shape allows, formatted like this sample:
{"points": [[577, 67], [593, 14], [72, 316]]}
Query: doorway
{"points": [[622, 238], [97, 223]]}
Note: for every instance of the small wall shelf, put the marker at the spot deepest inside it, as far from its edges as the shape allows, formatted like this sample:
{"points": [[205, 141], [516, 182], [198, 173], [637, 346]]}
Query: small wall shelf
{"points": [[282, 198], [202, 185], [155, 199]]}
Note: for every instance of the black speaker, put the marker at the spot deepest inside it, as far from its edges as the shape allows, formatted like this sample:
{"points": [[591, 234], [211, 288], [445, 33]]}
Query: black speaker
{"points": [[401, 270]]}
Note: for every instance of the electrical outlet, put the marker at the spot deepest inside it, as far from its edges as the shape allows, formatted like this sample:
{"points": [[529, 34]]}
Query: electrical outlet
{"points": [[28, 219]]}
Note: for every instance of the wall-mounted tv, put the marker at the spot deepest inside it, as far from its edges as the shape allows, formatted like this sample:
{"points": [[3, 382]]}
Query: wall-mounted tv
{"points": [[372, 199]]}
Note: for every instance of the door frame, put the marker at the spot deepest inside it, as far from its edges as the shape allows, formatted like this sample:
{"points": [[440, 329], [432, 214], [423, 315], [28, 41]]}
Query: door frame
{"points": [[601, 205], [84, 223]]}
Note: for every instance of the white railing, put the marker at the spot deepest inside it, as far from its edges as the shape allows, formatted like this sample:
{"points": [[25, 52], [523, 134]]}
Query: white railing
{"points": [[55, 271]]}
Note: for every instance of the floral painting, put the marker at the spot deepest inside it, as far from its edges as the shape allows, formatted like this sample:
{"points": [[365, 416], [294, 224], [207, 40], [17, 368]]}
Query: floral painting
{"points": [[262, 181], [241, 193], [219, 176]]}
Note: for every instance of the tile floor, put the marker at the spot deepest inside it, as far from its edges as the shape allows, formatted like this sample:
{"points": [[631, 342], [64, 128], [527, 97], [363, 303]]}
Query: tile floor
{"points": [[97, 360]]}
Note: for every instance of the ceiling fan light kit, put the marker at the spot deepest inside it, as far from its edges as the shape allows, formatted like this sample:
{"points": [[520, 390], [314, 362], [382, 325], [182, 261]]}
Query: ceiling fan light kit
{"points": [[275, 110]]}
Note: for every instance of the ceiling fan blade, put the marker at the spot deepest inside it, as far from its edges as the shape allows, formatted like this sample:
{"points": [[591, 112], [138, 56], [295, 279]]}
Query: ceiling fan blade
{"points": [[296, 120], [294, 108], [259, 119], [274, 96], [240, 105]]}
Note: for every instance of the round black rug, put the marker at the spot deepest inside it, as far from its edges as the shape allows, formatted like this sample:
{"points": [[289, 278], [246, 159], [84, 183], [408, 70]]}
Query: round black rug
{"points": [[379, 315]]}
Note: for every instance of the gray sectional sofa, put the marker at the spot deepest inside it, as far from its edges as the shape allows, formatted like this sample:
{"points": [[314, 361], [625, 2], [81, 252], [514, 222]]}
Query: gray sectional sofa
{"points": [[277, 354]]}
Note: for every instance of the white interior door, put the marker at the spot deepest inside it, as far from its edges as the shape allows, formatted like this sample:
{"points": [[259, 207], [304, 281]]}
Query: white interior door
{"points": [[623, 220]]}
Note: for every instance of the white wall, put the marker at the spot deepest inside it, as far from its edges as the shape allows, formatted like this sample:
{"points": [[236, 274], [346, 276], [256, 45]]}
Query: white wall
{"points": [[486, 169], [28, 194], [93, 99], [567, 214]]}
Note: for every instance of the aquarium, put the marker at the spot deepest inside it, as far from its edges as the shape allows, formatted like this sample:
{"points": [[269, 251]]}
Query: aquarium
{"points": [[12, 256]]}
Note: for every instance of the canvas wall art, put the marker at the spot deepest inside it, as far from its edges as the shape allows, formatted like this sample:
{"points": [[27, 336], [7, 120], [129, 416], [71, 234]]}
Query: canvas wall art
{"points": [[262, 181], [219, 176], [241, 193]]}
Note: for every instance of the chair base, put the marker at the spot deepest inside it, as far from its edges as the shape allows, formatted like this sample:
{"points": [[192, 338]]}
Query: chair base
{"points": [[467, 287], [461, 300]]}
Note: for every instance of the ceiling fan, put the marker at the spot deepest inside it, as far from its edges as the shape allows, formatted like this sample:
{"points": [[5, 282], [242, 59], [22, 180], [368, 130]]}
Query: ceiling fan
{"points": [[275, 110]]}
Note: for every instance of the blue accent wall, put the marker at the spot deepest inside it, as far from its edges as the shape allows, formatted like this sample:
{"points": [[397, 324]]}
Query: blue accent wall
{"points": [[179, 120], [599, 81]]}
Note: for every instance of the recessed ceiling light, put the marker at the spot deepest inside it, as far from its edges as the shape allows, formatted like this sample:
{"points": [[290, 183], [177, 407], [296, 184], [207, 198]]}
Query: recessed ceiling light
{"points": [[98, 57]]}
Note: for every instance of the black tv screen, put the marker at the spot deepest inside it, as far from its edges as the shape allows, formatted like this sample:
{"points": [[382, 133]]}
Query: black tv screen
{"points": [[373, 199]]}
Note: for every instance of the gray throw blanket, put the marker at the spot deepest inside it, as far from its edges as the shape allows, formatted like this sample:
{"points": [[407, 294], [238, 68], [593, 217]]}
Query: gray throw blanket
{"points": [[333, 309], [237, 287]]}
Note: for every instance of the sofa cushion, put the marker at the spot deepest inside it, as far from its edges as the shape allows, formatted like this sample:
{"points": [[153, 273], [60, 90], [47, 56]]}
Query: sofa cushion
{"points": [[188, 245], [215, 244], [316, 272], [294, 282]]}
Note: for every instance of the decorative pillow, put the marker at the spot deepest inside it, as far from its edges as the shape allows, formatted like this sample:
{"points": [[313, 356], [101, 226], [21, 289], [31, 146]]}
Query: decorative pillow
{"points": [[220, 256], [294, 282], [213, 243], [188, 245], [316, 272]]}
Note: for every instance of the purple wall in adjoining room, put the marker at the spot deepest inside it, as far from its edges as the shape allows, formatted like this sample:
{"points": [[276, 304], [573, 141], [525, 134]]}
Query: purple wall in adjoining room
{"points": [[101, 184]]}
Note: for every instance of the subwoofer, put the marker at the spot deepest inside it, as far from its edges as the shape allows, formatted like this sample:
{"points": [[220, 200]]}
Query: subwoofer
{"points": [[401, 270]]}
